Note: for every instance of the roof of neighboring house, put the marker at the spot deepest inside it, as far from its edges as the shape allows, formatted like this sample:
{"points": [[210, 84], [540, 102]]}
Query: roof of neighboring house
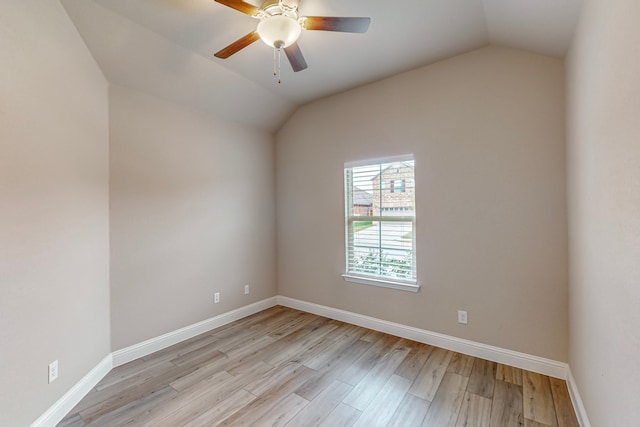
{"points": [[361, 197], [394, 165]]}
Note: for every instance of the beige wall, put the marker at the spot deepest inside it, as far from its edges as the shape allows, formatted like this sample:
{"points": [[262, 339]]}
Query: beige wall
{"points": [[192, 213], [604, 205], [54, 247], [487, 131]]}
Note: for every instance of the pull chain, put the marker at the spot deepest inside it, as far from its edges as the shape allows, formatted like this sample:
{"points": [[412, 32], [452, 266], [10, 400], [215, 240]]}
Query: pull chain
{"points": [[279, 56], [275, 68], [277, 53]]}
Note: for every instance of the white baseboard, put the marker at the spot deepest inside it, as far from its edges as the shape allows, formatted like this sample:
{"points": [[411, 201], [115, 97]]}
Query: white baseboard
{"points": [[581, 412], [496, 354], [71, 398], [537, 364], [125, 355], [61, 408]]}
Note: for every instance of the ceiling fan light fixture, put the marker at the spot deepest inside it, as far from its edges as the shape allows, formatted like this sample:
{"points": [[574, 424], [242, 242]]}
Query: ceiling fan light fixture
{"points": [[279, 31], [280, 27]]}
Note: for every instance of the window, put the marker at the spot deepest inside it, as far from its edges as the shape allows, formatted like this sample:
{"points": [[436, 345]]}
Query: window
{"points": [[397, 185], [380, 240]]}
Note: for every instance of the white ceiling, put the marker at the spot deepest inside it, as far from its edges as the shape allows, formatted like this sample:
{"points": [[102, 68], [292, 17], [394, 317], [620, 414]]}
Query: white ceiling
{"points": [[165, 47]]}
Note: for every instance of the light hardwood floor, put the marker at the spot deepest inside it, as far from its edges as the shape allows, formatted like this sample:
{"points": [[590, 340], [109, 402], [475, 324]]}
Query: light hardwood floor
{"points": [[283, 367]]}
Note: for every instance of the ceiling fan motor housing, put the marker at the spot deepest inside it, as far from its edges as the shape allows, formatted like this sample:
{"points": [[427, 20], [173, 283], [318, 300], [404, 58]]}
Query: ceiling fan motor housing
{"points": [[288, 4]]}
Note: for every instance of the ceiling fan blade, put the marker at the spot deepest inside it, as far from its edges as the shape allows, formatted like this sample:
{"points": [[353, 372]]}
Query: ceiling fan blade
{"points": [[330, 23], [296, 59], [237, 45], [241, 6]]}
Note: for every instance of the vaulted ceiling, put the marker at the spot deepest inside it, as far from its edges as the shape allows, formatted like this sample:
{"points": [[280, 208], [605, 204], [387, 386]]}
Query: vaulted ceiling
{"points": [[165, 47]]}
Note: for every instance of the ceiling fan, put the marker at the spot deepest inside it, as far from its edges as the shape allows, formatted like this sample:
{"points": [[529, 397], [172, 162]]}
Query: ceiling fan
{"points": [[280, 27]]}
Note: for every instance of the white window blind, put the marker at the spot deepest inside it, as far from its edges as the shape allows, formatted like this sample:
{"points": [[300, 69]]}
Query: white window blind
{"points": [[380, 219]]}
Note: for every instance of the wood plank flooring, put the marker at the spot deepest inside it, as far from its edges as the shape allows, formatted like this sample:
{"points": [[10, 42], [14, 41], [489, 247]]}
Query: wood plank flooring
{"points": [[283, 367]]}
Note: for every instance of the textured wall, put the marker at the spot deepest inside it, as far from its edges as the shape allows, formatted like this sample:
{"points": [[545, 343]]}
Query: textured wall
{"points": [[54, 223], [487, 130], [192, 213], [604, 205]]}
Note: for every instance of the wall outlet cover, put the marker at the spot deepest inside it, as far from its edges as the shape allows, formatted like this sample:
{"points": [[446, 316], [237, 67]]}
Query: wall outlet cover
{"points": [[462, 317], [53, 371]]}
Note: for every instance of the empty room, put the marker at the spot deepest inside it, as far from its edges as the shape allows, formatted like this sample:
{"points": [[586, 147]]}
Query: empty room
{"points": [[319, 213]]}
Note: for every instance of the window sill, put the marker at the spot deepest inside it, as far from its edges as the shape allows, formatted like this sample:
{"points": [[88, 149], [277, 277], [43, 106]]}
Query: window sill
{"points": [[408, 286]]}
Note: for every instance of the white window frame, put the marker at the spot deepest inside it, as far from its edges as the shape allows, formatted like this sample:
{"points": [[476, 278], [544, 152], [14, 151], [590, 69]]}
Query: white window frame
{"points": [[410, 285]]}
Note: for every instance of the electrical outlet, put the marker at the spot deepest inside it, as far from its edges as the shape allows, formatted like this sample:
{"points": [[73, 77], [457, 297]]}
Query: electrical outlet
{"points": [[246, 289], [53, 371], [462, 317], [216, 297]]}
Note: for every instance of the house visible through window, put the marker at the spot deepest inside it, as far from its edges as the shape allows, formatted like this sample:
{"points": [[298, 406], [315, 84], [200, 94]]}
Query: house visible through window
{"points": [[380, 221]]}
